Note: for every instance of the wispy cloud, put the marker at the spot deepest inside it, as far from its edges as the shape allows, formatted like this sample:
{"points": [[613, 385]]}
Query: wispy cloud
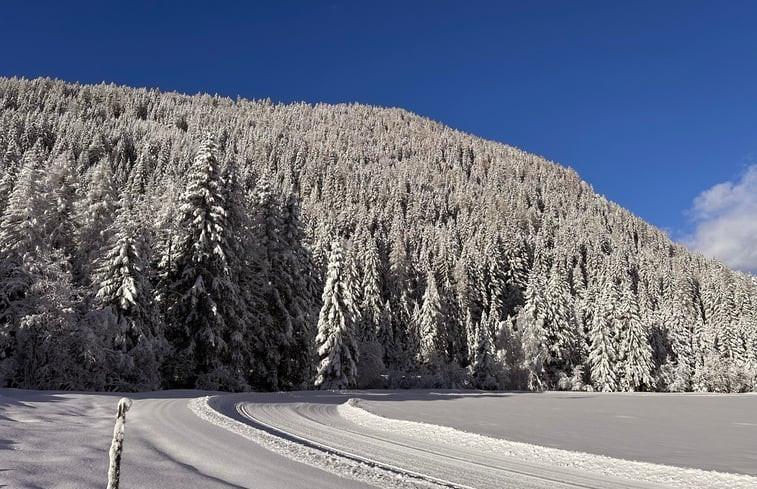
{"points": [[725, 216]]}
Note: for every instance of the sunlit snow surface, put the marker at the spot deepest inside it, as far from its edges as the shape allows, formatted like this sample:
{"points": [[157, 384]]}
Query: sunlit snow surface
{"points": [[185, 439]]}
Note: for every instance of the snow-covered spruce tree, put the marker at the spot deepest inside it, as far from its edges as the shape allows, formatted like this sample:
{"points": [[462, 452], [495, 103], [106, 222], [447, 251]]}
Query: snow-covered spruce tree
{"points": [[9, 168], [135, 343], [240, 258], [198, 293], [432, 351], [471, 334], [402, 301], [335, 343], [484, 365], [371, 306], [53, 348], [560, 323], [496, 278], [94, 217], [20, 237], [285, 293], [602, 353], [303, 302], [678, 317], [386, 338], [635, 351], [35, 240], [371, 365], [530, 322], [58, 195]]}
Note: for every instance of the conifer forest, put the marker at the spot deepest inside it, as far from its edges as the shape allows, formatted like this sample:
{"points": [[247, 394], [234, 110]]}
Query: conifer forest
{"points": [[154, 240]]}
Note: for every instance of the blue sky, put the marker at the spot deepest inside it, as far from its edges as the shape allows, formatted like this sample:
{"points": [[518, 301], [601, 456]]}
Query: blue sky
{"points": [[653, 103]]}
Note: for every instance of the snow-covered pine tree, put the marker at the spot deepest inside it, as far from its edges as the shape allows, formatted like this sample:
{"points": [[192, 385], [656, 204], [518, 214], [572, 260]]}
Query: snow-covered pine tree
{"points": [[680, 334], [471, 335], [432, 351], [9, 168], [496, 277], [484, 363], [58, 194], [560, 322], [136, 341], [635, 351], [19, 230], [20, 238], [530, 322], [386, 338], [285, 293], [371, 305], [372, 353], [53, 348], [335, 343], [603, 353], [199, 295], [303, 299], [94, 217]]}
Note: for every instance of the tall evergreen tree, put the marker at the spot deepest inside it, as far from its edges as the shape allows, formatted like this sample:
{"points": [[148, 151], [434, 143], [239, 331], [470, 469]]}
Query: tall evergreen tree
{"points": [[335, 343], [483, 368], [199, 295], [22, 244], [635, 349], [432, 352], [530, 322], [124, 293], [603, 353], [94, 217]]}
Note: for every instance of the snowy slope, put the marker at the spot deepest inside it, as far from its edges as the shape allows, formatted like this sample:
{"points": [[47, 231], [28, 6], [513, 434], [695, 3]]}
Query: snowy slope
{"points": [[298, 440]]}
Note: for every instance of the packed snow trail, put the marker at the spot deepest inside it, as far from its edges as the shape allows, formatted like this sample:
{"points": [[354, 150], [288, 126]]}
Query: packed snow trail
{"points": [[321, 427], [450, 458]]}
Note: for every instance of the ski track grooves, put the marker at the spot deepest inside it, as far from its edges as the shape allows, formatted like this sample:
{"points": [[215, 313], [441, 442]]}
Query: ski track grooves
{"points": [[306, 453], [242, 409], [302, 431]]}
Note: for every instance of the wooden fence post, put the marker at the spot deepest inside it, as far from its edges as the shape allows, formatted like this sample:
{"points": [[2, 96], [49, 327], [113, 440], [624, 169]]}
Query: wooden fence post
{"points": [[116, 447]]}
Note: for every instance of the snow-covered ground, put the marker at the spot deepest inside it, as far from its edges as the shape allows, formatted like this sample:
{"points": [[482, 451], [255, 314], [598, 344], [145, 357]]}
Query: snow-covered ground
{"points": [[706, 431], [319, 440]]}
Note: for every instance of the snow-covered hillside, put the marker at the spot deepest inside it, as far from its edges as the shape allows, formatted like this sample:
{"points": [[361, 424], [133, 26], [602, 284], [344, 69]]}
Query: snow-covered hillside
{"points": [[155, 240]]}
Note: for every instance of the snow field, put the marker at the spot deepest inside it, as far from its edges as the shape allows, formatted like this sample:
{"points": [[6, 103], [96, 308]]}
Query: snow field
{"points": [[667, 476]]}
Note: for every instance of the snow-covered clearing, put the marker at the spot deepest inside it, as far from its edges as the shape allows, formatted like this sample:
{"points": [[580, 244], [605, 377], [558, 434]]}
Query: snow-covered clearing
{"points": [[694, 430], [318, 440], [665, 476]]}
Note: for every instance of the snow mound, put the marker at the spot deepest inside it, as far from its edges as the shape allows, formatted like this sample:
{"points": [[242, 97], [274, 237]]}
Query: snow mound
{"points": [[674, 477]]}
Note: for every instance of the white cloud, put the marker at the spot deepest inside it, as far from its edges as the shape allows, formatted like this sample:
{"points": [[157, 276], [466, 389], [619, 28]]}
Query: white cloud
{"points": [[726, 222]]}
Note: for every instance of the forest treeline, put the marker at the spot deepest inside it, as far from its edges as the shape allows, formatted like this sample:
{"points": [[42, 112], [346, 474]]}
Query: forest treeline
{"points": [[156, 240]]}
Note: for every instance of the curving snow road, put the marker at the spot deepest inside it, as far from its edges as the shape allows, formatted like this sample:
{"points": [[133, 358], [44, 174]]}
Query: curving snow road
{"points": [[322, 426], [308, 440]]}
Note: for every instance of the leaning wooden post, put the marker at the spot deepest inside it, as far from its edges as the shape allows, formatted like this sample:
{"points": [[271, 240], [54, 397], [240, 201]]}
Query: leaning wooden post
{"points": [[116, 447]]}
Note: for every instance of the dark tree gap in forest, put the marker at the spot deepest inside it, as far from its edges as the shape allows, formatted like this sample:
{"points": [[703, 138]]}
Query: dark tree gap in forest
{"points": [[152, 240]]}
